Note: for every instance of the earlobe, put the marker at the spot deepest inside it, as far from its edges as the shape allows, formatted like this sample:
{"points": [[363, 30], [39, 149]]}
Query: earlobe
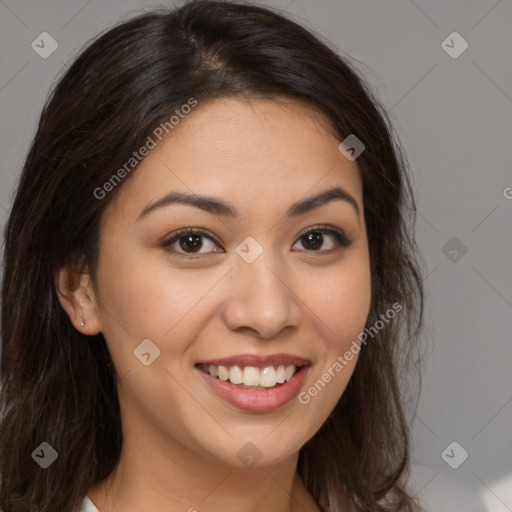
{"points": [[76, 296]]}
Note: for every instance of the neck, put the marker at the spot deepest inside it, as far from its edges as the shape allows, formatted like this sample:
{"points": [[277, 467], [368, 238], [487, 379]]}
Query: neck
{"points": [[159, 474]]}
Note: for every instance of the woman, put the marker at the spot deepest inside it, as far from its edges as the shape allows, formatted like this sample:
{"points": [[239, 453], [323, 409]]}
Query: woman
{"points": [[208, 265]]}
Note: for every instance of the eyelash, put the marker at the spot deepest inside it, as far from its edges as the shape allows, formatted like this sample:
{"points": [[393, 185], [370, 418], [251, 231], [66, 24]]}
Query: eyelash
{"points": [[341, 239]]}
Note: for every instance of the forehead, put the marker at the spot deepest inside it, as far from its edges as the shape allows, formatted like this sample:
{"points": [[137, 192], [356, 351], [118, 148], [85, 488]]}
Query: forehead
{"points": [[252, 152]]}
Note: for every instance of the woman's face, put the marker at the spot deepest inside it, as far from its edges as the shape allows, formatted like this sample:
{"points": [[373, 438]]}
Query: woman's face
{"points": [[258, 286]]}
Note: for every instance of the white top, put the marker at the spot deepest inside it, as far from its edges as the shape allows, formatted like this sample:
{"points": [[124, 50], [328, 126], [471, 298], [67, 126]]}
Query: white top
{"points": [[87, 506]]}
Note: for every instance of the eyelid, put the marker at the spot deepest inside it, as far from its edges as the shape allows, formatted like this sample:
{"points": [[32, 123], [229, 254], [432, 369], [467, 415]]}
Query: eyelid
{"points": [[195, 231]]}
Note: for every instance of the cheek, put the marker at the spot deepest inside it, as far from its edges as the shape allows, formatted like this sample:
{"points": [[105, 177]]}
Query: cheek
{"points": [[343, 303], [342, 308], [135, 302], [147, 298], [144, 298], [350, 305], [143, 301]]}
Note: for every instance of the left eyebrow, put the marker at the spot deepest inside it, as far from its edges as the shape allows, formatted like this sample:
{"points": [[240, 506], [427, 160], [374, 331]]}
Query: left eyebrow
{"points": [[218, 207]]}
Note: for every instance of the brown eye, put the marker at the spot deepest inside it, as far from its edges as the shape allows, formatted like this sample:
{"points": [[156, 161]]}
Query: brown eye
{"points": [[192, 242], [314, 239], [188, 242]]}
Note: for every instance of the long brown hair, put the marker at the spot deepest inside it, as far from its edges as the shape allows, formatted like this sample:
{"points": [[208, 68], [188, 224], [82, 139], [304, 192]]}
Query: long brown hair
{"points": [[58, 385]]}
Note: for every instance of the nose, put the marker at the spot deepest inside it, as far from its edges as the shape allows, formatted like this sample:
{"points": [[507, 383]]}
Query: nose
{"points": [[261, 298]]}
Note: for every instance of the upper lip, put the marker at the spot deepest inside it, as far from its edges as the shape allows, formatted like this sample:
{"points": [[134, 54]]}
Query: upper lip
{"points": [[258, 361]]}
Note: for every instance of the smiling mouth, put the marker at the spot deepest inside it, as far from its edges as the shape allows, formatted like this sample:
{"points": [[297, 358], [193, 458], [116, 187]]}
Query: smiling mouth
{"points": [[251, 377]]}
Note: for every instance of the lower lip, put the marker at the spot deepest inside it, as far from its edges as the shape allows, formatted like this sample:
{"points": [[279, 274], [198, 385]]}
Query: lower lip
{"points": [[257, 401]]}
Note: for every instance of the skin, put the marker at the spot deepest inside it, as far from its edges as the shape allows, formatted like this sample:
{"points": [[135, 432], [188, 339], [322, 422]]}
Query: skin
{"points": [[180, 440]]}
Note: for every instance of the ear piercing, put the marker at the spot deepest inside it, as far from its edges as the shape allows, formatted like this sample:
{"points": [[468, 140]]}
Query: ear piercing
{"points": [[82, 324]]}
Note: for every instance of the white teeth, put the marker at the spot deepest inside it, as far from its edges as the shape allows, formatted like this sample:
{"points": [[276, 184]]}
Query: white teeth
{"points": [[289, 372], [281, 374], [251, 376], [266, 377], [236, 375], [223, 373]]}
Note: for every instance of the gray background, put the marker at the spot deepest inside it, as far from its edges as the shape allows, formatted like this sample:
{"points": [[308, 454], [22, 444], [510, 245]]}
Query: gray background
{"points": [[454, 118]]}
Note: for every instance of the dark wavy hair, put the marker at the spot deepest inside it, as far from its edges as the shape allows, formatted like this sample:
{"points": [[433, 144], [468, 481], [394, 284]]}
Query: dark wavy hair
{"points": [[58, 385]]}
